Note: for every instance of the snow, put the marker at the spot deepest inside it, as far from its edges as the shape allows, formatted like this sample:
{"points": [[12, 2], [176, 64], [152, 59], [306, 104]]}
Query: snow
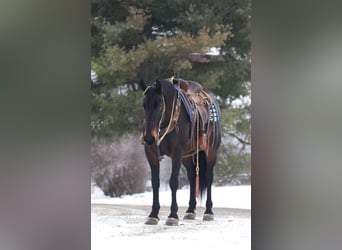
{"points": [[213, 51], [227, 196], [241, 102], [94, 77], [119, 222]]}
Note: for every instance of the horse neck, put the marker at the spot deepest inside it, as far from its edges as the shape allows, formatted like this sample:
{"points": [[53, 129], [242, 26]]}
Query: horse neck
{"points": [[170, 97]]}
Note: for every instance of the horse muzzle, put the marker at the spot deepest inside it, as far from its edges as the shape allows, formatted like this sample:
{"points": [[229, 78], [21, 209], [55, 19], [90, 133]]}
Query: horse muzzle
{"points": [[149, 139]]}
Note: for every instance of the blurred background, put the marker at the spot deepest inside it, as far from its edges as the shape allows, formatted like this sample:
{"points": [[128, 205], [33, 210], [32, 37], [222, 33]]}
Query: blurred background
{"points": [[205, 41]]}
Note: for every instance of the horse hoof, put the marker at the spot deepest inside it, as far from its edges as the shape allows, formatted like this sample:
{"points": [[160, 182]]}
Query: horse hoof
{"points": [[151, 221], [171, 221], [189, 216], [208, 217]]}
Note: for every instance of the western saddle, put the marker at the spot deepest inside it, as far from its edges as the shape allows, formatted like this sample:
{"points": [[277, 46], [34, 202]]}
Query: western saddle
{"points": [[201, 102]]}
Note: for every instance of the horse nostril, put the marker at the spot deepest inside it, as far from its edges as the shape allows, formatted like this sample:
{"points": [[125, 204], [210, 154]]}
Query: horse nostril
{"points": [[149, 140]]}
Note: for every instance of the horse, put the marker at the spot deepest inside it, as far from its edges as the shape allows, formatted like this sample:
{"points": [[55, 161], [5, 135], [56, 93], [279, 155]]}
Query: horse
{"points": [[168, 130]]}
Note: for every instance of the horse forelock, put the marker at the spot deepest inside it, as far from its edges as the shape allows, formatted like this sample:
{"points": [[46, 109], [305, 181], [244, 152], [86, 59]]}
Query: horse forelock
{"points": [[151, 98]]}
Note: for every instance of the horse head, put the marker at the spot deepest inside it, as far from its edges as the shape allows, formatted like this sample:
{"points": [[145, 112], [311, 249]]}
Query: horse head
{"points": [[154, 106]]}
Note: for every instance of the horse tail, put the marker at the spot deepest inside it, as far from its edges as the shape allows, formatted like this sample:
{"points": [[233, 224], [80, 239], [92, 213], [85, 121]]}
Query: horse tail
{"points": [[202, 173]]}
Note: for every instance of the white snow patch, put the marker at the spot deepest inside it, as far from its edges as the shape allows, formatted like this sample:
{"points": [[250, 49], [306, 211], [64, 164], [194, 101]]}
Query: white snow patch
{"points": [[226, 196], [121, 223], [213, 51], [241, 102]]}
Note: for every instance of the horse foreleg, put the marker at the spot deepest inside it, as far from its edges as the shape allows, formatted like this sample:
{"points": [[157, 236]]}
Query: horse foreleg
{"points": [[176, 164], [155, 169]]}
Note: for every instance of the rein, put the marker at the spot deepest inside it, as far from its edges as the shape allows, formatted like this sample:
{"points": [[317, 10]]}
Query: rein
{"points": [[173, 118], [168, 129]]}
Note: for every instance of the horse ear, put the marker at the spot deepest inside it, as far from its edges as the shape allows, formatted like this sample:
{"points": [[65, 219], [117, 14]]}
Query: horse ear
{"points": [[158, 87], [142, 85]]}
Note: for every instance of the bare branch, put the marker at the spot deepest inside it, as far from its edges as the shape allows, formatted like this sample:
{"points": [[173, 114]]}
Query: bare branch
{"points": [[239, 139]]}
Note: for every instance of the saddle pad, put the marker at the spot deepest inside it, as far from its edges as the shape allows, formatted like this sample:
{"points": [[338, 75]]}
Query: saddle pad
{"points": [[186, 102], [214, 114]]}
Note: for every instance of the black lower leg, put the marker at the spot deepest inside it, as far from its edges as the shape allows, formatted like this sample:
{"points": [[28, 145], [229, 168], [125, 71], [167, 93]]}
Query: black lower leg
{"points": [[155, 187], [192, 201], [209, 203], [174, 186]]}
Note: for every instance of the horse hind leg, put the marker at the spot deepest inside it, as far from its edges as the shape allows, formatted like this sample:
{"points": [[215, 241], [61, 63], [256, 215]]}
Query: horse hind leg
{"points": [[208, 214], [190, 168], [209, 175]]}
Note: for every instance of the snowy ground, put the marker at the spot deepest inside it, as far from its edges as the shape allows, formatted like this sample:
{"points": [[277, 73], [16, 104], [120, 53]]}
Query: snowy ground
{"points": [[119, 222]]}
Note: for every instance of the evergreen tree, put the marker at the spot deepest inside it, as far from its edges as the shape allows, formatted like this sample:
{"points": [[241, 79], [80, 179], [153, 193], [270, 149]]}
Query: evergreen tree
{"points": [[152, 39]]}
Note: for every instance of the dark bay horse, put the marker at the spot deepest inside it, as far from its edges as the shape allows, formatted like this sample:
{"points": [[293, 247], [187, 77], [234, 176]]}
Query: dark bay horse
{"points": [[167, 130]]}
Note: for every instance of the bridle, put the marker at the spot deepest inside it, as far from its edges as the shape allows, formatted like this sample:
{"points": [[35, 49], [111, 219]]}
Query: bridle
{"points": [[171, 124]]}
